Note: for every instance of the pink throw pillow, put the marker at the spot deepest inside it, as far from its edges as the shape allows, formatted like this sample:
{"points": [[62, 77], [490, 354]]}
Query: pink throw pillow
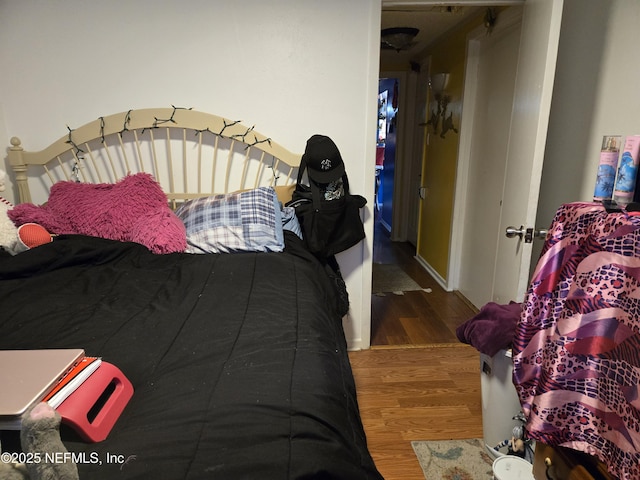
{"points": [[133, 209]]}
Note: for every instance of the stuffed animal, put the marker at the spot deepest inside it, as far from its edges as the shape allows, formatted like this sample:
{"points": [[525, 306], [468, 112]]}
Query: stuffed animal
{"points": [[8, 231], [18, 239], [518, 445], [12, 471], [40, 439]]}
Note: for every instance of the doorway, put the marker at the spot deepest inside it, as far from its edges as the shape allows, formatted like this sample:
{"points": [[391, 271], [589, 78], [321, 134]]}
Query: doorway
{"points": [[540, 29], [412, 308], [388, 94]]}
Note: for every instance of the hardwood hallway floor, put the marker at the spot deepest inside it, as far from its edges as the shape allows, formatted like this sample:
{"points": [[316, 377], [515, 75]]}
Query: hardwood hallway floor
{"points": [[417, 317], [417, 382]]}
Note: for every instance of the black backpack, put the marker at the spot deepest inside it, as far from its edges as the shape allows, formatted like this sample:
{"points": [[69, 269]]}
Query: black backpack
{"points": [[328, 214]]}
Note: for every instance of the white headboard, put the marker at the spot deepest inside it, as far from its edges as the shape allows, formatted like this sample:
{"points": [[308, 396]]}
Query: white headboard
{"points": [[190, 153]]}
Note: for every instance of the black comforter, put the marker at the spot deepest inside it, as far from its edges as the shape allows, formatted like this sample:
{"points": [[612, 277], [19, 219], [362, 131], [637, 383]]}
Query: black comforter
{"points": [[238, 361]]}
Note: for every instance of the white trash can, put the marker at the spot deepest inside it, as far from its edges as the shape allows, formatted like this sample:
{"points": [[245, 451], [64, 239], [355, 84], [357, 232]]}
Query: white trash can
{"points": [[500, 401], [510, 467]]}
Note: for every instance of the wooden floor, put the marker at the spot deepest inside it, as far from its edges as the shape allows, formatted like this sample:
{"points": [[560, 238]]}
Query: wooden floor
{"points": [[423, 393], [417, 382], [417, 317]]}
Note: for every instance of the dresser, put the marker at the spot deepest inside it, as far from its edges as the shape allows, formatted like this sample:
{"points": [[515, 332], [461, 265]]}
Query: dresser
{"points": [[558, 463]]}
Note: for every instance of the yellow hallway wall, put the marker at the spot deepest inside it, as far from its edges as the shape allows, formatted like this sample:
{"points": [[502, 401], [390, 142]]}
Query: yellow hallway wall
{"points": [[441, 155]]}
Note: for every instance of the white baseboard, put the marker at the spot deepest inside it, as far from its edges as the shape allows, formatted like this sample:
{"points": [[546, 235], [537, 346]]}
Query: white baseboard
{"points": [[436, 276]]}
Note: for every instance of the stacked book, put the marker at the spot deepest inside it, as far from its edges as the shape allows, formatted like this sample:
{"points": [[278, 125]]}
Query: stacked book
{"points": [[32, 376], [72, 380]]}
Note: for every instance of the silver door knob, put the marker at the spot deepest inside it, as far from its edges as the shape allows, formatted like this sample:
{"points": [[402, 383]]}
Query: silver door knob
{"points": [[541, 234], [515, 232], [528, 233]]}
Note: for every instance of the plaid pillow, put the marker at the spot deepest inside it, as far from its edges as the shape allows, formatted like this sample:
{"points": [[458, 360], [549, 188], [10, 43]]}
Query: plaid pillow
{"points": [[247, 221]]}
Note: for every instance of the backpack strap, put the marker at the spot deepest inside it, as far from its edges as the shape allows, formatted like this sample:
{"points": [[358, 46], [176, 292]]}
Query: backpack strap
{"points": [[315, 191], [301, 169], [345, 184]]}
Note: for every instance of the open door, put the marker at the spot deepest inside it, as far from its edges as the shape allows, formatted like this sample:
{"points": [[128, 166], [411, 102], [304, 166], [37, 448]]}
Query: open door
{"points": [[525, 154], [490, 78], [522, 154]]}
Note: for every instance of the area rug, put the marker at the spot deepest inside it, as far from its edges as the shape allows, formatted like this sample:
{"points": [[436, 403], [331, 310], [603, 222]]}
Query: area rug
{"points": [[454, 459], [390, 278]]}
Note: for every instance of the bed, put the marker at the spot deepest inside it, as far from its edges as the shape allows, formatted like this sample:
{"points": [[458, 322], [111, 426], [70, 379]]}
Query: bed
{"points": [[235, 347]]}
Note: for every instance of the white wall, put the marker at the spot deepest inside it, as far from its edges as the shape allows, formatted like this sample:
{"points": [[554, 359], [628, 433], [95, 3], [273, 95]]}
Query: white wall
{"points": [[595, 94], [292, 68]]}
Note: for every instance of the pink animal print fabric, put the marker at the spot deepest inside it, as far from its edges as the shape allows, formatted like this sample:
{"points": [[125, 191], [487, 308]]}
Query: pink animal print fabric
{"points": [[577, 344]]}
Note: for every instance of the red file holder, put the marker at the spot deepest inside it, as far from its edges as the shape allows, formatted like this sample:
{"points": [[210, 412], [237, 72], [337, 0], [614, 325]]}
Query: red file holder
{"points": [[93, 409]]}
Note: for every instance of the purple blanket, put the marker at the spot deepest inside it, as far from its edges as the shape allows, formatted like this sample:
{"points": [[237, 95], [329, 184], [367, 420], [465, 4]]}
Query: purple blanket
{"points": [[492, 329]]}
